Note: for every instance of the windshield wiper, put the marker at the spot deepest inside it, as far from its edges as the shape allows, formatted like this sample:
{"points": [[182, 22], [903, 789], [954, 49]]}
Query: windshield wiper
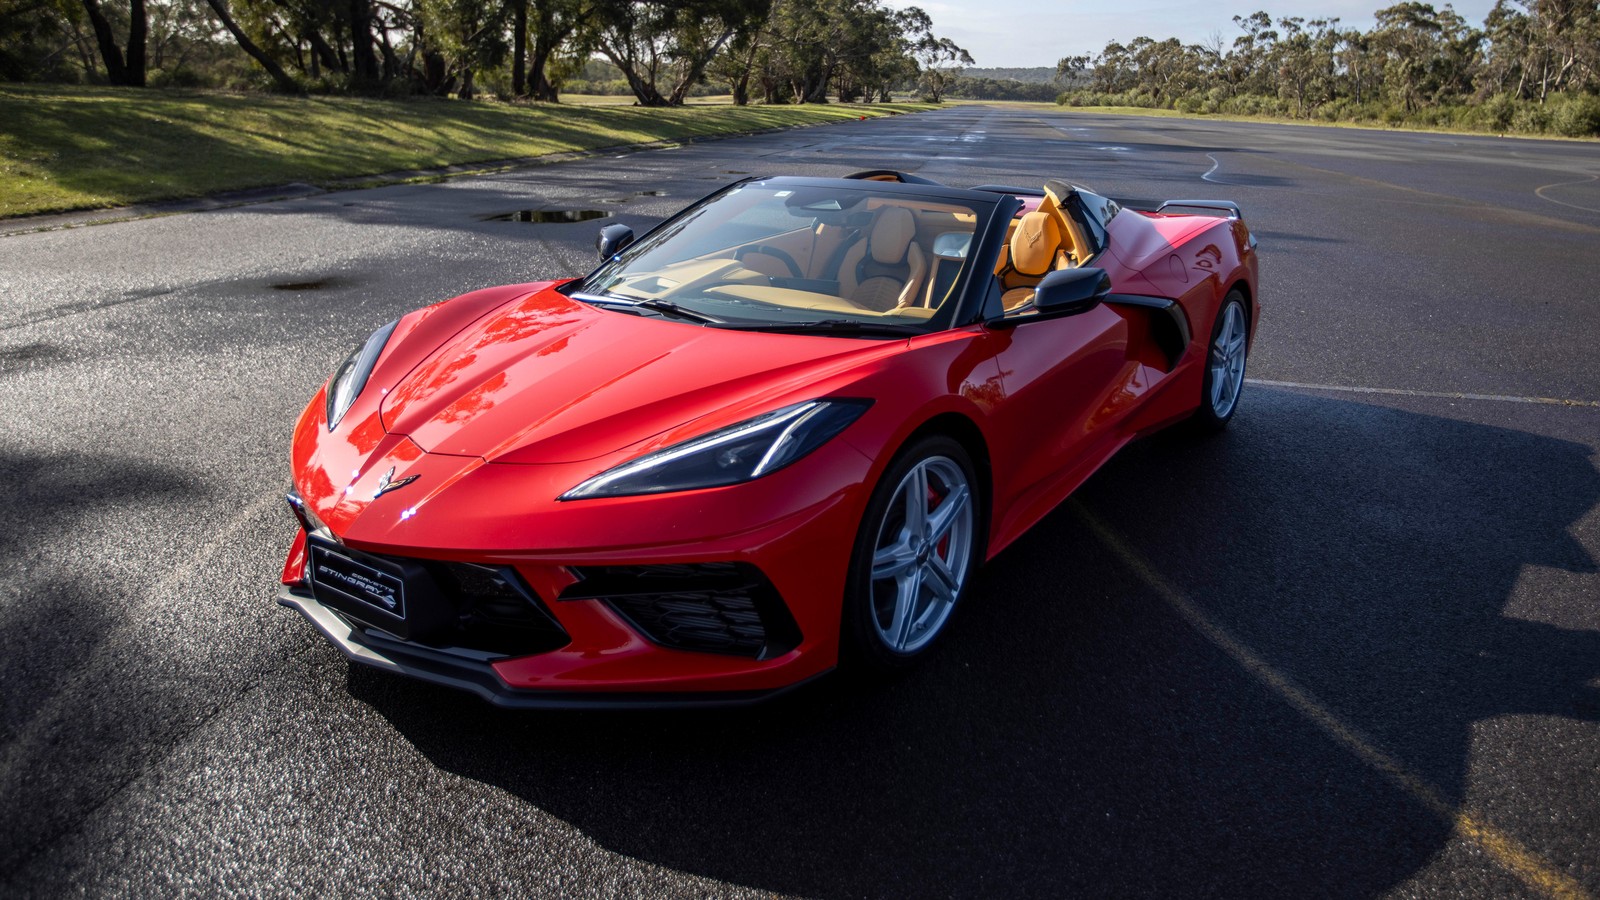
{"points": [[665, 307], [829, 326]]}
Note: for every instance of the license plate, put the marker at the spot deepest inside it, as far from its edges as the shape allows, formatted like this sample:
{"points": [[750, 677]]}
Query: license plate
{"points": [[336, 577]]}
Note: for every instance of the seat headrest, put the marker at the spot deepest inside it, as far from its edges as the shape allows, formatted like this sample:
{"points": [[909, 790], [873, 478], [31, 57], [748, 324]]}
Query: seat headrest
{"points": [[892, 232], [1034, 245]]}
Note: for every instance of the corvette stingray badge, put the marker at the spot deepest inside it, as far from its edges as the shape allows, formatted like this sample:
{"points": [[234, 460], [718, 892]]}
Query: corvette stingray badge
{"points": [[387, 483]]}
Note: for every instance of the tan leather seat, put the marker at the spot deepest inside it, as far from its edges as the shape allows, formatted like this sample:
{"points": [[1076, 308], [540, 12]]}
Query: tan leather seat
{"points": [[887, 269], [1038, 247]]}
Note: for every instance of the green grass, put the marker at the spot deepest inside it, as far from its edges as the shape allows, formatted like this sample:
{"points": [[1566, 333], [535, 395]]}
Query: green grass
{"points": [[68, 148]]}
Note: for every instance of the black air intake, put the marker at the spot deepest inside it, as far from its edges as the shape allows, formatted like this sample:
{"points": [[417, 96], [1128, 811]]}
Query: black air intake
{"points": [[722, 607]]}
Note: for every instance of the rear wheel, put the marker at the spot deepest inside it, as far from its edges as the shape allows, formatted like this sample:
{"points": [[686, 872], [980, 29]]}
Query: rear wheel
{"points": [[1225, 359], [914, 556]]}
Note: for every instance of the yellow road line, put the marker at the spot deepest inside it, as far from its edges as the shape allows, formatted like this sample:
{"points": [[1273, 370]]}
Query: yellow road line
{"points": [[1537, 872]]}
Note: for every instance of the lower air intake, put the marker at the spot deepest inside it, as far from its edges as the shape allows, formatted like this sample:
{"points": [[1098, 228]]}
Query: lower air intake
{"points": [[707, 607]]}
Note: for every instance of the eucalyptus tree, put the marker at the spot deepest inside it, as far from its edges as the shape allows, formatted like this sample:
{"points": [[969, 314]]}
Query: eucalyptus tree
{"points": [[662, 47]]}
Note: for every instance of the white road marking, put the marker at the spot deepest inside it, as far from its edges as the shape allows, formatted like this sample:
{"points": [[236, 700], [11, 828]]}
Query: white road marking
{"points": [[1445, 395], [1215, 165]]}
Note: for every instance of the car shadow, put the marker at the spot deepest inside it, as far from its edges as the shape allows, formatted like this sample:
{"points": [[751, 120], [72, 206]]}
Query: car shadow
{"points": [[1075, 734]]}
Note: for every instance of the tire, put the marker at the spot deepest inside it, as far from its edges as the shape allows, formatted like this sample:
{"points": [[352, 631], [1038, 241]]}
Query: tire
{"points": [[906, 580], [1225, 360]]}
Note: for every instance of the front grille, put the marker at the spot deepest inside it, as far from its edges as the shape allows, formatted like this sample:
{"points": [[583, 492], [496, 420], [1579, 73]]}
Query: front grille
{"points": [[496, 612], [721, 607], [487, 609]]}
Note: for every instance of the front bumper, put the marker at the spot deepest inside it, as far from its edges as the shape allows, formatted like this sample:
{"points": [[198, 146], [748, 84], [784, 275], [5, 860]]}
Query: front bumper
{"points": [[371, 648], [796, 527]]}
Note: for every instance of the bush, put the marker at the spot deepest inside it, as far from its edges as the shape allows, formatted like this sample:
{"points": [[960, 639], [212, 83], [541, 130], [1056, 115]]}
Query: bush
{"points": [[1532, 118], [1577, 116]]}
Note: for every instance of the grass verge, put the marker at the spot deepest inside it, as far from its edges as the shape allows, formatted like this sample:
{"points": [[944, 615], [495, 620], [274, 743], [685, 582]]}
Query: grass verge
{"points": [[1320, 123], [68, 148]]}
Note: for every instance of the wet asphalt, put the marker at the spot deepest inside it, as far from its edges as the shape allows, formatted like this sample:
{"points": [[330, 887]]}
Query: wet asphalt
{"points": [[1351, 647]]}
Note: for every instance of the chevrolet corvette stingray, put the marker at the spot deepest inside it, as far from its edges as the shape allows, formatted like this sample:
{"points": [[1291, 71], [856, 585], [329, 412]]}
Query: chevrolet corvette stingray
{"points": [[774, 435]]}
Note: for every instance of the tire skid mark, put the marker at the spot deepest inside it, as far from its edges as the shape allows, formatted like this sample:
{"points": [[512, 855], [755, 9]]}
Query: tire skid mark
{"points": [[1539, 192], [71, 309], [1403, 392], [1536, 872]]}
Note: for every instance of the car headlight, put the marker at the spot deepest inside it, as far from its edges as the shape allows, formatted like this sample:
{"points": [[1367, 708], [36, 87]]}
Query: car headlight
{"points": [[742, 452], [352, 374]]}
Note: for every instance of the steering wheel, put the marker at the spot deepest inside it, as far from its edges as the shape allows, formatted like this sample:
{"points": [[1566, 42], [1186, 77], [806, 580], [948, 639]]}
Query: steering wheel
{"points": [[775, 253]]}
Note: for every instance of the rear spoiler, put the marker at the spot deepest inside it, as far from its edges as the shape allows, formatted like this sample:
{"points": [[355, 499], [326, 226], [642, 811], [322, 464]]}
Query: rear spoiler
{"points": [[1223, 206], [1226, 206]]}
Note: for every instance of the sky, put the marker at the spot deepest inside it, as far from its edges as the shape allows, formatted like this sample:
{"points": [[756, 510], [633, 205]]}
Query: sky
{"points": [[1024, 33]]}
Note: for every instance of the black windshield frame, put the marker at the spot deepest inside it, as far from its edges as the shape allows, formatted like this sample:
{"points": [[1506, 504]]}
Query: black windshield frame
{"points": [[968, 292]]}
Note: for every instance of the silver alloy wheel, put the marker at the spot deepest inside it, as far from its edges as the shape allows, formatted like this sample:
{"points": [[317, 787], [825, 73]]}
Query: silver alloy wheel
{"points": [[922, 554], [1227, 360]]}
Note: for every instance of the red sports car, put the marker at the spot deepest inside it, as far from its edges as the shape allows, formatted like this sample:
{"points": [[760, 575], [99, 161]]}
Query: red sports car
{"points": [[775, 434]]}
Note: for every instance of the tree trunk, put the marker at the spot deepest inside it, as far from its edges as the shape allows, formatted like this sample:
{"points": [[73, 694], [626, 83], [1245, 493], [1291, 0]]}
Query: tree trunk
{"points": [[363, 57], [110, 53], [321, 51], [467, 90], [644, 91], [138, 30], [696, 69], [519, 47], [284, 82]]}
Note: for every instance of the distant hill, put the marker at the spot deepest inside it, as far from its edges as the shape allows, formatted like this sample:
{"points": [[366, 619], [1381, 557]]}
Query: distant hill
{"points": [[1038, 75]]}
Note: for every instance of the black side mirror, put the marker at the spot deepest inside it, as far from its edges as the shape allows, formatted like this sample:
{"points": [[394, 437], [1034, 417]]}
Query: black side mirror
{"points": [[612, 240], [1067, 292]]}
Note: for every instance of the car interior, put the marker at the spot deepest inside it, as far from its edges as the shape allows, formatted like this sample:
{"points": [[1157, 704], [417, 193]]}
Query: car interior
{"points": [[896, 256]]}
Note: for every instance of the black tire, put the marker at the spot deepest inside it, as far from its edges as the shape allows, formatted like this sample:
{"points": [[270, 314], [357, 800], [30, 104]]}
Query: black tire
{"points": [[865, 642], [1217, 408]]}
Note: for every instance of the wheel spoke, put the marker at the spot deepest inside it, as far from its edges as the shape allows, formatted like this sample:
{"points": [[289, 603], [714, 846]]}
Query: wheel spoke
{"points": [[908, 592], [944, 515], [892, 561], [942, 582], [916, 502]]}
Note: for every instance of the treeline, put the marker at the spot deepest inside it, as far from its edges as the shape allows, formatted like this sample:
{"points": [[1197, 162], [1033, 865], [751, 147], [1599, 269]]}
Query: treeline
{"points": [[968, 87], [663, 51], [1533, 67]]}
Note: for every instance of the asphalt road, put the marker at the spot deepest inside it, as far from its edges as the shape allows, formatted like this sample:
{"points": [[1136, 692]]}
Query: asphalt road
{"points": [[1351, 647]]}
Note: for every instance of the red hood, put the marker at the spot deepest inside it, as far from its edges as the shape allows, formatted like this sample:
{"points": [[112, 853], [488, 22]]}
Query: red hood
{"points": [[547, 379]]}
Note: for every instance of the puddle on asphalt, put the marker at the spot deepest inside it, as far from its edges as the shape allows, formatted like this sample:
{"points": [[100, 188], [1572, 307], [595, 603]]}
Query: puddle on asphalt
{"points": [[650, 194], [734, 172], [548, 216], [317, 285]]}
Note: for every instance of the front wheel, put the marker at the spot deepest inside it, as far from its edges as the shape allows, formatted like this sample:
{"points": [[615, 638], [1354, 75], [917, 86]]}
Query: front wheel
{"points": [[1225, 358], [914, 555]]}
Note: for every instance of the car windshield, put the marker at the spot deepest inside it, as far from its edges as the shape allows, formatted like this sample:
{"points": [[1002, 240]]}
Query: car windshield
{"points": [[786, 256]]}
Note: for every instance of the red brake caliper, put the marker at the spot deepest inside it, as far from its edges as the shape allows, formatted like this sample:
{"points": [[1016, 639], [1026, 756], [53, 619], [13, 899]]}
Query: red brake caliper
{"points": [[933, 503]]}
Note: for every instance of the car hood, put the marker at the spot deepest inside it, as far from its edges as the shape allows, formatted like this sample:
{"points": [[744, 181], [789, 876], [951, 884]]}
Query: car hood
{"points": [[548, 379]]}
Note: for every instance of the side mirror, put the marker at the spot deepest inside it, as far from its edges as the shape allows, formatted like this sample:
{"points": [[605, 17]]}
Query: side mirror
{"points": [[612, 240], [1067, 292]]}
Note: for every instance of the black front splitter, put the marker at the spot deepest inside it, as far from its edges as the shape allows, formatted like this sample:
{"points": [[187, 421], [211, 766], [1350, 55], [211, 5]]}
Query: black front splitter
{"points": [[479, 677]]}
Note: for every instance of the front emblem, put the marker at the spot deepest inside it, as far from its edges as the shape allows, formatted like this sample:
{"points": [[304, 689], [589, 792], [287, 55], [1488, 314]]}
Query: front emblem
{"points": [[387, 483]]}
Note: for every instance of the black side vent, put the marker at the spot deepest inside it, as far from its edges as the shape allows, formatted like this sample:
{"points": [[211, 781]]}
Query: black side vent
{"points": [[722, 607]]}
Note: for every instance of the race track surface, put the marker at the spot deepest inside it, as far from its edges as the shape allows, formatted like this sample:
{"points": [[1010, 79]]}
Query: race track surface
{"points": [[1349, 648]]}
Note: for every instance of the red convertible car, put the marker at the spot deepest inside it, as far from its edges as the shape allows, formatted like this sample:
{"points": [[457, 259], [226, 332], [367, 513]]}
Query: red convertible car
{"points": [[776, 434]]}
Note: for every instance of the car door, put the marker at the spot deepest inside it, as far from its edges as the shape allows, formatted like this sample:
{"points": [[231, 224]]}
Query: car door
{"points": [[1060, 378]]}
